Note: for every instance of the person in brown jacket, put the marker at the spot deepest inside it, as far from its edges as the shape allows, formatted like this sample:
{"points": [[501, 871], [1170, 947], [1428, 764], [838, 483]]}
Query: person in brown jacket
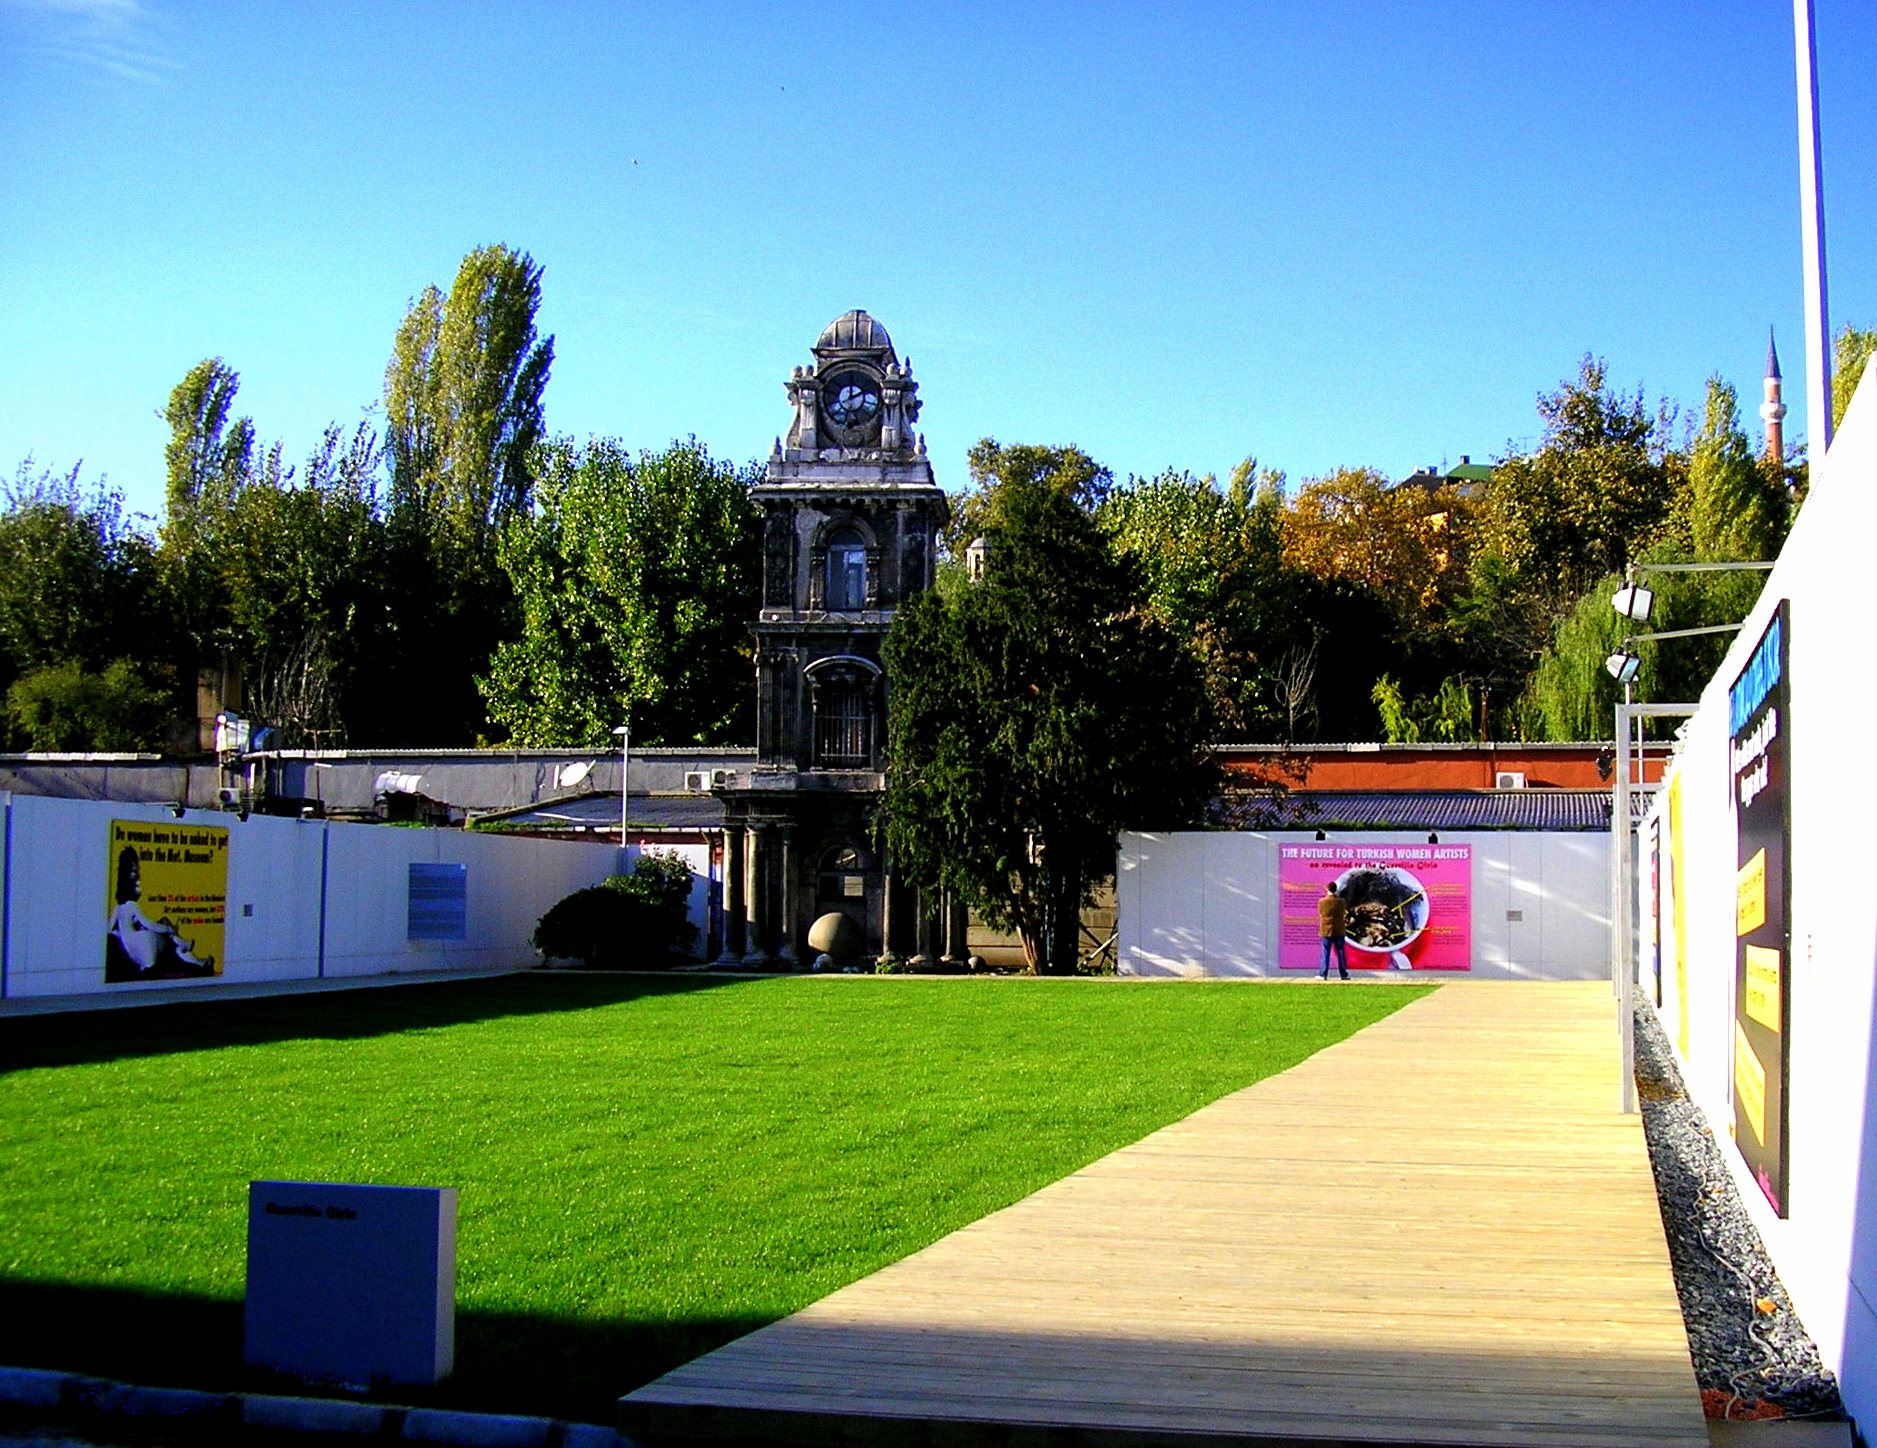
{"points": [[1332, 922]]}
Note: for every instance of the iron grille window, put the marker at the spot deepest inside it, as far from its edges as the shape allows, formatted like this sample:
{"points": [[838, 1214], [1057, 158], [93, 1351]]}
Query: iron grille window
{"points": [[843, 725]]}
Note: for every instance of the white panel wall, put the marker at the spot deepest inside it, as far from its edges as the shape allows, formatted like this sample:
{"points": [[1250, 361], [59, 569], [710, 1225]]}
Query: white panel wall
{"points": [[1574, 925], [55, 892], [1826, 1250], [1207, 904]]}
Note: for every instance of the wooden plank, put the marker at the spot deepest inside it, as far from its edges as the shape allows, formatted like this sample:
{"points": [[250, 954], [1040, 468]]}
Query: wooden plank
{"points": [[1438, 1231]]}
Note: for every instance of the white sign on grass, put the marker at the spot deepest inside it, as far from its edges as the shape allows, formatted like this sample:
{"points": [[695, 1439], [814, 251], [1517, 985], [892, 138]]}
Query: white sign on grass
{"points": [[353, 1285]]}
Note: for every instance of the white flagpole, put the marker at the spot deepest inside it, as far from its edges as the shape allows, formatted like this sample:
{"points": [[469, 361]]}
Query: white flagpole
{"points": [[1812, 234]]}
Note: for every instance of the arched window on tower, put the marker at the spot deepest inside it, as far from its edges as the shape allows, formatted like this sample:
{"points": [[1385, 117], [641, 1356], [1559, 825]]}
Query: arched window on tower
{"points": [[847, 571], [844, 691]]}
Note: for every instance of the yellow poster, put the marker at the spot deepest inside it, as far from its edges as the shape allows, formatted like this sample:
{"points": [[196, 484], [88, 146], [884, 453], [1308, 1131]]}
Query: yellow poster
{"points": [[1750, 895], [1762, 997], [166, 904], [1678, 914], [1749, 1086]]}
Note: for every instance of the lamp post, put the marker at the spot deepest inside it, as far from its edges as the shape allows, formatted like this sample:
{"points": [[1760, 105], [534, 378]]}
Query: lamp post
{"points": [[1633, 601], [624, 731]]}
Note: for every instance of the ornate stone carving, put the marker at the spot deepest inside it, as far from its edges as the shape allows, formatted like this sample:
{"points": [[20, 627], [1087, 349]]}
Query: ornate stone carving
{"points": [[778, 561]]}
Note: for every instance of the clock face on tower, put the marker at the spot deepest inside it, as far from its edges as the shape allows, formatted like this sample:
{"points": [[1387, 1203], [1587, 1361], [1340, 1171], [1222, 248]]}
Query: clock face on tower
{"points": [[851, 401]]}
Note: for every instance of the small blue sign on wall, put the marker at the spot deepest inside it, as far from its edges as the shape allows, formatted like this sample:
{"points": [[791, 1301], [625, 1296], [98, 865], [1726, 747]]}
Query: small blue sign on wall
{"points": [[439, 903]]}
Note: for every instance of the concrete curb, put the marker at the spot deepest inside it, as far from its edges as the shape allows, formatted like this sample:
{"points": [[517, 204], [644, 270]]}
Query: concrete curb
{"points": [[87, 1402]]}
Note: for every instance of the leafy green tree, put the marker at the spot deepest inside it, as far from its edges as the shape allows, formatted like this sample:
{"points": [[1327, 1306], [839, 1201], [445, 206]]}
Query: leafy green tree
{"points": [[75, 577], [1068, 470], [67, 707], [1731, 510], [1592, 494], [1034, 714], [1602, 488], [635, 583], [1449, 716], [1212, 560], [305, 571], [1571, 696], [281, 584], [1851, 349], [1736, 511]]}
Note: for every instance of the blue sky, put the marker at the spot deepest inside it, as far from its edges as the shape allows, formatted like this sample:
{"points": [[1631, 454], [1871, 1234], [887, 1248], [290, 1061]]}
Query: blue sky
{"points": [[1326, 234]]}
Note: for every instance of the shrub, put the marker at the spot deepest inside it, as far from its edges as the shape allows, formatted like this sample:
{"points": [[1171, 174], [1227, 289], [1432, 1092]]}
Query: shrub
{"points": [[631, 921], [587, 926]]}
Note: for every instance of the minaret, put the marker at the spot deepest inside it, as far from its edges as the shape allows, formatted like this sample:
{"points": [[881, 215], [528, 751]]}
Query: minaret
{"points": [[1773, 411]]}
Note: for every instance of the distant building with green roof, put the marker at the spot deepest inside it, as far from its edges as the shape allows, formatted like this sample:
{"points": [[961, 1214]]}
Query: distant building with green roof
{"points": [[1468, 475]]}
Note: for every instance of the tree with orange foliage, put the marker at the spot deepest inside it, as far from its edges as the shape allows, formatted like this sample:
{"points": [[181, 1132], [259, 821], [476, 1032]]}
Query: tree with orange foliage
{"points": [[1407, 544]]}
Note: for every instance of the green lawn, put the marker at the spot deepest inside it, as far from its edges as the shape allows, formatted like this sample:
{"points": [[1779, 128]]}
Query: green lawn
{"points": [[647, 1167]]}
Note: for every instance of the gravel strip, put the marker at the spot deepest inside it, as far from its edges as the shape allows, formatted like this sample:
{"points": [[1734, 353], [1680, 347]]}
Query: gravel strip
{"points": [[1750, 1362]]}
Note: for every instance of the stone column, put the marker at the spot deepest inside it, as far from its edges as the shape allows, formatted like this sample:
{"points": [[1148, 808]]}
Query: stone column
{"points": [[733, 921], [787, 907], [889, 906], [756, 897], [956, 930], [925, 936]]}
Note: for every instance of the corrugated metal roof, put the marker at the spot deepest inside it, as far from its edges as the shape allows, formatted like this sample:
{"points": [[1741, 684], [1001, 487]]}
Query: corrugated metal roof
{"points": [[601, 812], [1424, 809], [1380, 809]]}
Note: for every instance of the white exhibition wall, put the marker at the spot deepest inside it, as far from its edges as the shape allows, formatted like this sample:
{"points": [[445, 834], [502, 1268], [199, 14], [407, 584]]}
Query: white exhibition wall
{"points": [[1207, 903], [305, 898], [1826, 1247]]}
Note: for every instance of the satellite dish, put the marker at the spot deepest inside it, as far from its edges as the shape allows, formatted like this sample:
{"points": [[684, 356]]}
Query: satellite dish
{"points": [[571, 774]]}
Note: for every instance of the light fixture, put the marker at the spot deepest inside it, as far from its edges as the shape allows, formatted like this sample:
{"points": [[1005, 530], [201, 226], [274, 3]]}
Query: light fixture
{"points": [[1632, 600], [1433, 838], [1622, 666], [624, 735], [1321, 835], [176, 811]]}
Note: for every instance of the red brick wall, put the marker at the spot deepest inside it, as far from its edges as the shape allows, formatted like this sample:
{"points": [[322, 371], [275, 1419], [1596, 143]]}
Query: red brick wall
{"points": [[1404, 766]]}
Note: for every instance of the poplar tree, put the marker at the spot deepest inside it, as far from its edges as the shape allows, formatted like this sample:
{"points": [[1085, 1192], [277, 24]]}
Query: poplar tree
{"points": [[463, 394], [463, 410], [210, 452]]}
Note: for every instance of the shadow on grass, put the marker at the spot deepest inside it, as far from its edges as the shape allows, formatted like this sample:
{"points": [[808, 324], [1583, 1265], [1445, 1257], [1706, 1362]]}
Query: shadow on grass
{"points": [[86, 1037], [505, 1362]]}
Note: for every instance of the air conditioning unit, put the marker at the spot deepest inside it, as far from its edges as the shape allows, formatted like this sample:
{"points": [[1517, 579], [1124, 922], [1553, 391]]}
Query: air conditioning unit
{"points": [[228, 798], [1507, 779], [703, 781]]}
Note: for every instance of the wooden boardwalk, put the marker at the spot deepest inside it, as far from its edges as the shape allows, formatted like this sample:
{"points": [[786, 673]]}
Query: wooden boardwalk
{"points": [[1438, 1231]]}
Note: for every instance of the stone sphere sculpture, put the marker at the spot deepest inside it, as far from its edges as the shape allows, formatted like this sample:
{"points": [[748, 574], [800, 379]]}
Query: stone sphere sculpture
{"points": [[837, 936]]}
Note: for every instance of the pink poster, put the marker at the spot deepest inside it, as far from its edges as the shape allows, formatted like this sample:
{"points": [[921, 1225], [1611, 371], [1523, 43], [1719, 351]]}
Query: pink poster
{"points": [[1410, 906]]}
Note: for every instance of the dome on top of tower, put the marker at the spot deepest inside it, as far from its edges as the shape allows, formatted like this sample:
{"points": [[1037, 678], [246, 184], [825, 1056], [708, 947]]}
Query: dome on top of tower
{"points": [[854, 331]]}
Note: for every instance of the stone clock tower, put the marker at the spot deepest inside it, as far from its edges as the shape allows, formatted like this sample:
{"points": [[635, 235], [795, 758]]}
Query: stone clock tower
{"points": [[851, 518]]}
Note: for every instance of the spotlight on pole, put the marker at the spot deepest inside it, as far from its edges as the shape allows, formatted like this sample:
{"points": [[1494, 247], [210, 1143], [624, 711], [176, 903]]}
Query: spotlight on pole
{"points": [[1632, 600], [1622, 666]]}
